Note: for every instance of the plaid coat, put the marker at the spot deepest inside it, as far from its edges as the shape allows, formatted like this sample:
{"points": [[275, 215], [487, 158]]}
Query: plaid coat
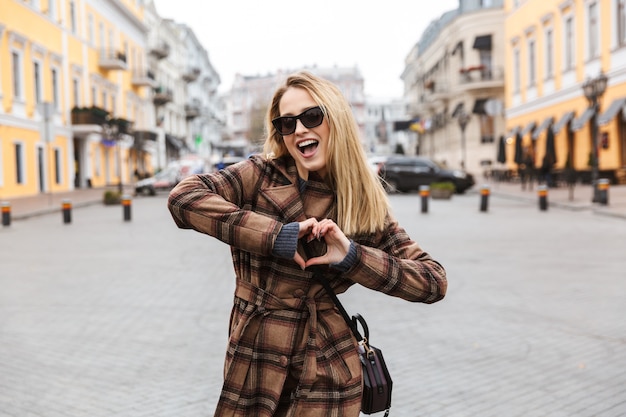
{"points": [[290, 352]]}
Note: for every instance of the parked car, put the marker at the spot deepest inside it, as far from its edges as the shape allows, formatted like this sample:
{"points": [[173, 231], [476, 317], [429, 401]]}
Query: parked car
{"points": [[408, 173], [162, 181]]}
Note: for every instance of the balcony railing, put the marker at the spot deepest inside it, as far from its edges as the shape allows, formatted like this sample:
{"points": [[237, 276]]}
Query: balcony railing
{"points": [[160, 50], [162, 96], [142, 77], [89, 116], [191, 74], [192, 110], [481, 77], [112, 60]]}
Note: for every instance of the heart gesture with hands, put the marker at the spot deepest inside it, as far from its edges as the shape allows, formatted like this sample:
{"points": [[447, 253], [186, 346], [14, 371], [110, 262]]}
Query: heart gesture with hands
{"points": [[337, 243]]}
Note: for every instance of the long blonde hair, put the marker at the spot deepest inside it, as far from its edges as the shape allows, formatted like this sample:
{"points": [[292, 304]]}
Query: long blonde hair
{"points": [[362, 203]]}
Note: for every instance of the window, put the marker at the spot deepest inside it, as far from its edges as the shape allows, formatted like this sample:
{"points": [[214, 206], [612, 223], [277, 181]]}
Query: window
{"points": [[549, 53], [76, 92], [593, 30], [16, 69], [516, 71], [52, 9], [568, 39], [57, 166], [54, 75], [94, 98], [37, 81], [19, 163], [90, 28], [531, 63], [621, 22], [73, 16], [101, 35]]}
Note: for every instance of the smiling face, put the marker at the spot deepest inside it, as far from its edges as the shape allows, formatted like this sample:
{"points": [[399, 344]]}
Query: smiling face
{"points": [[307, 146]]}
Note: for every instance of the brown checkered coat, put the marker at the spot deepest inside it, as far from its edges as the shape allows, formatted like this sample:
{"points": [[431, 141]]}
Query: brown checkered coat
{"points": [[290, 352]]}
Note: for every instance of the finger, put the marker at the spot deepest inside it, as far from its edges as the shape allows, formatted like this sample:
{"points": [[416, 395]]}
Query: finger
{"points": [[299, 260]]}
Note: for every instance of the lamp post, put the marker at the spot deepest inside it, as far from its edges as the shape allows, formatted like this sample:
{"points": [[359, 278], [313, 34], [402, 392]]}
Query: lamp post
{"points": [[463, 119], [594, 88]]}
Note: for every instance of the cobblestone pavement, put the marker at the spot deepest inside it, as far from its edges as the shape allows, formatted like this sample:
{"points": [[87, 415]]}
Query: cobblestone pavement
{"points": [[104, 318]]}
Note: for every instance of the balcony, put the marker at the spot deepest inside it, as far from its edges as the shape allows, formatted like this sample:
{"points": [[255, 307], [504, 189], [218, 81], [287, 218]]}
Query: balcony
{"points": [[112, 60], [191, 74], [89, 116], [143, 78], [435, 91], [162, 96], [160, 50], [480, 77], [192, 110]]}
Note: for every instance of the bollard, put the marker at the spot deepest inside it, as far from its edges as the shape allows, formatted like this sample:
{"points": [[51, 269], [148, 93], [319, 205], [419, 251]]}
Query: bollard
{"points": [[126, 205], [424, 194], [542, 191], [603, 191], [6, 213], [66, 208], [484, 198]]}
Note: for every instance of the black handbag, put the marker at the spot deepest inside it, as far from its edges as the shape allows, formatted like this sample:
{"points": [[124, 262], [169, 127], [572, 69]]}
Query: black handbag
{"points": [[377, 382]]}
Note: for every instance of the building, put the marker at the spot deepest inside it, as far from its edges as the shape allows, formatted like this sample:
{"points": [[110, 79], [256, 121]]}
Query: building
{"points": [[553, 48], [97, 94], [454, 86], [250, 96]]}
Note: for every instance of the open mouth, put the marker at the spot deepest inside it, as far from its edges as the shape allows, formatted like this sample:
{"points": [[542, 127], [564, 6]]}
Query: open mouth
{"points": [[307, 146]]}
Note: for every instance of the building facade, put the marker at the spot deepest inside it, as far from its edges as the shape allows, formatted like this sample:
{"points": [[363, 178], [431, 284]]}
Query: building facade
{"points": [[454, 86], [553, 48], [97, 93]]}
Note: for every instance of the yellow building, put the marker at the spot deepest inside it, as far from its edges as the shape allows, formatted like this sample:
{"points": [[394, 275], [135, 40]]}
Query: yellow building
{"points": [[553, 48], [73, 75]]}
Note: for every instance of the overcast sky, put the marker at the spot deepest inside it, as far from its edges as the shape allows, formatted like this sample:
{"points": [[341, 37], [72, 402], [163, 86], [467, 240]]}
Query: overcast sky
{"points": [[254, 37]]}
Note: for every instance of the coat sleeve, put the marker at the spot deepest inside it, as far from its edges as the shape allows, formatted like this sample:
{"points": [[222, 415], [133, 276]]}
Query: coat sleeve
{"points": [[396, 265], [218, 204]]}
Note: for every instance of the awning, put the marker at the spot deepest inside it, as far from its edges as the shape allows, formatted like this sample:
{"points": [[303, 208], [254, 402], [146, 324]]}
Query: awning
{"points": [[458, 48], [174, 142], [579, 122], [479, 106], [144, 135], [511, 133], [562, 122], [612, 111], [482, 42], [530, 126], [543, 126], [457, 109]]}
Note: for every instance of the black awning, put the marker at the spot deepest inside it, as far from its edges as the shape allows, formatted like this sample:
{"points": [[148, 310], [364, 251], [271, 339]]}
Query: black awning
{"points": [[612, 111], [401, 125], [530, 126], [562, 122], [144, 135], [174, 142], [543, 126], [579, 122], [479, 106], [482, 42], [458, 109]]}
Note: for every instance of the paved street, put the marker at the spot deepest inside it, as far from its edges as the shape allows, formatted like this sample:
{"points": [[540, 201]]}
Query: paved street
{"points": [[106, 318]]}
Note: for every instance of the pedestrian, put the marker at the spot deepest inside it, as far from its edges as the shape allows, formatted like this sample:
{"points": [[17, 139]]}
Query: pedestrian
{"points": [[310, 201]]}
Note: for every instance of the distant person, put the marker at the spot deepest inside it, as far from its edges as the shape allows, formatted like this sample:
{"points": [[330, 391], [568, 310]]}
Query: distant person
{"points": [[309, 200]]}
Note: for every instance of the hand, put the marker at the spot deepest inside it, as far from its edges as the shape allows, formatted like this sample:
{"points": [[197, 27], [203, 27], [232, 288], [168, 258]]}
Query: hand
{"points": [[337, 244], [306, 228]]}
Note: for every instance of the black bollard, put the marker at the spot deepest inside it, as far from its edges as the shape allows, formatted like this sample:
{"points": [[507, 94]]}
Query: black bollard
{"points": [[542, 191], [484, 198], [66, 208], [603, 191], [126, 204], [424, 194], [6, 213]]}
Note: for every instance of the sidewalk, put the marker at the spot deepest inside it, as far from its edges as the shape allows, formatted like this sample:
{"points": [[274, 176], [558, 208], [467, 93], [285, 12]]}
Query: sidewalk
{"points": [[579, 199]]}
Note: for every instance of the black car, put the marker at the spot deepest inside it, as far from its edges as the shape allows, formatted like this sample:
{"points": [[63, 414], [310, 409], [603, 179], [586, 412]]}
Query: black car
{"points": [[408, 173]]}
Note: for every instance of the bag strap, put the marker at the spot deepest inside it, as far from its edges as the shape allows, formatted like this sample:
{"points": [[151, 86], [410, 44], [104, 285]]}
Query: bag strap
{"points": [[352, 323]]}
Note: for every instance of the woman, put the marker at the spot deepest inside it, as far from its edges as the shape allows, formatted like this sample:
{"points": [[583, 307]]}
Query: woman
{"points": [[311, 199]]}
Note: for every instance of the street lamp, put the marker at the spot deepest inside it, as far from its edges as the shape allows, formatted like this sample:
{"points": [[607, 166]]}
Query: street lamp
{"points": [[463, 119], [594, 88]]}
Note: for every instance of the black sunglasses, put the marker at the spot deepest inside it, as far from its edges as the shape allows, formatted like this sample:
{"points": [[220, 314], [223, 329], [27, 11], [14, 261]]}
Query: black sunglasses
{"points": [[310, 118]]}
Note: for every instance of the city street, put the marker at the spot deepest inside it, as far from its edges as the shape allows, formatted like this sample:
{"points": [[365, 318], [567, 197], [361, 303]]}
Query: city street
{"points": [[107, 318]]}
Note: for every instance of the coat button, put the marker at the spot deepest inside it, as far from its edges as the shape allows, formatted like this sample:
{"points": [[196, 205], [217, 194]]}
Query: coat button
{"points": [[298, 293], [284, 361]]}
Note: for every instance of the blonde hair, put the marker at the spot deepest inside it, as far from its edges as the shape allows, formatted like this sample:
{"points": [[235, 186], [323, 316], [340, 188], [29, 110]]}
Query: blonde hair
{"points": [[362, 203]]}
